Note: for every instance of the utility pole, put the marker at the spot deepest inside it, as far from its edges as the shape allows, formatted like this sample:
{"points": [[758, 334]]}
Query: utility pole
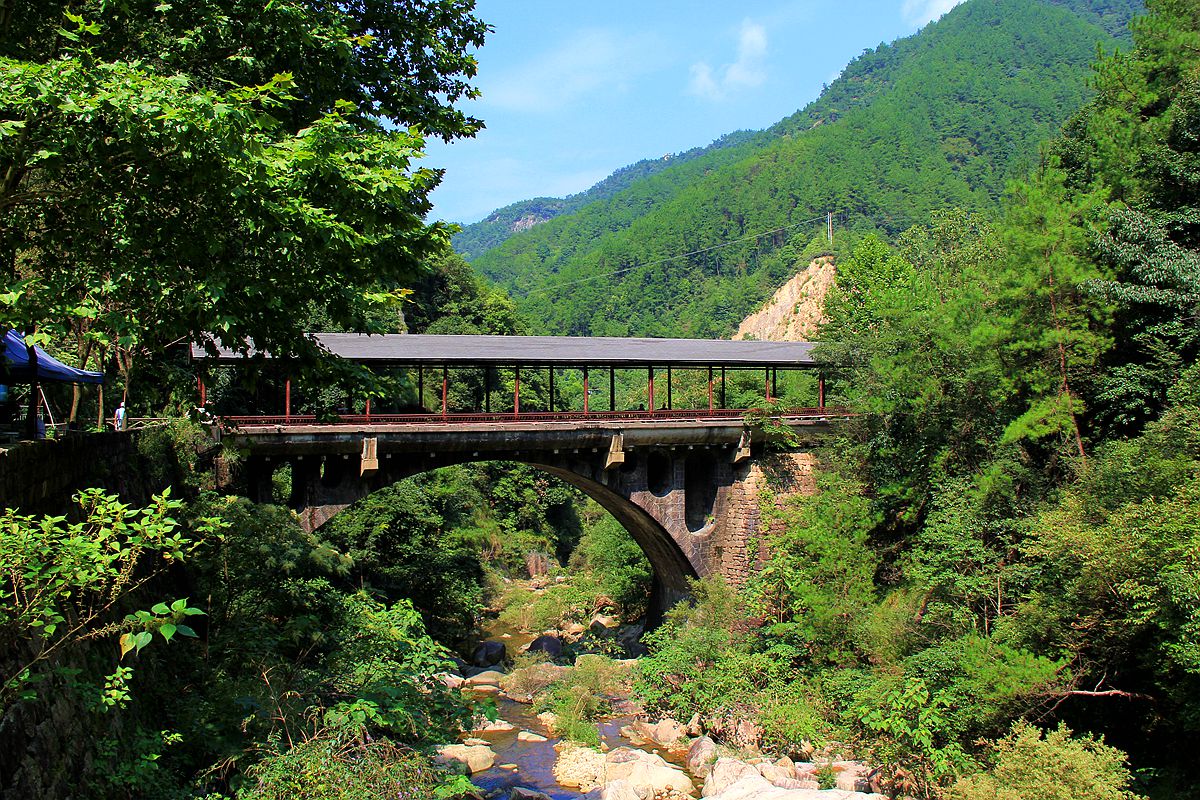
{"points": [[829, 217]]}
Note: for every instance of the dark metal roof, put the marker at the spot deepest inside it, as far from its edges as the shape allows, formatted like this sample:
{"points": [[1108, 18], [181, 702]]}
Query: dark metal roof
{"points": [[565, 351]]}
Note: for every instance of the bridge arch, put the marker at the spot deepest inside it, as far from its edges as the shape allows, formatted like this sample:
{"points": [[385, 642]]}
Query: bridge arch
{"points": [[324, 486]]}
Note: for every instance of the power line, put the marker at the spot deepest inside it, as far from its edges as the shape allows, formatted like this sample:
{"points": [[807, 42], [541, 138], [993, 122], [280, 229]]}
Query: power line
{"points": [[676, 257]]}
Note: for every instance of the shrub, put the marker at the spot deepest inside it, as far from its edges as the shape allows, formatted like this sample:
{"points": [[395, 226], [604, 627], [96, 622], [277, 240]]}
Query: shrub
{"points": [[334, 768], [790, 713], [576, 709], [1031, 764]]}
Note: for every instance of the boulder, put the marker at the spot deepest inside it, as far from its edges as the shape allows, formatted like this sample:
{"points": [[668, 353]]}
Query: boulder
{"points": [[485, 725], [509, 767], [451, 680], [701, 756], [470, 759], [666, 732], [853, 776], [603, 624], [489, 677], [630, 639], [488, 654], [788, 766], [756, 787], [646, 771], [547, 643], [777, 775], [695, 727], [530, 736], [621, 790], [726, 772], [482, 690], [521, 793], [579, 767]]}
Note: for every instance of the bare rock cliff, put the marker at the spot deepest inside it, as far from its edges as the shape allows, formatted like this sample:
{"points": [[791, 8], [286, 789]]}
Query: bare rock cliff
{"points": [[795, 312]]}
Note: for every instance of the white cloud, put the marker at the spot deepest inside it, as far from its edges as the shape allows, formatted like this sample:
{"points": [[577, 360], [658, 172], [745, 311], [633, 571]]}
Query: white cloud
{"points": [[747, 72], [920, 12], [589, 62]]}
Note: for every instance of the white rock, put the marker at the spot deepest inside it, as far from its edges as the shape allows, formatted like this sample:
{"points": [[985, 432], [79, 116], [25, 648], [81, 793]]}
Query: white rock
{"points": [[646, 771], [530, 736], [484, 725], [701, 756], [490, 677], [621, 790], [777, 775], [726, 772], [470, 758], [578, 766]]}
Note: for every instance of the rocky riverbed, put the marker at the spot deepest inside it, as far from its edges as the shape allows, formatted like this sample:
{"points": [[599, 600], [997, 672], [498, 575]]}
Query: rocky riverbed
{"points": [[519, 756]]}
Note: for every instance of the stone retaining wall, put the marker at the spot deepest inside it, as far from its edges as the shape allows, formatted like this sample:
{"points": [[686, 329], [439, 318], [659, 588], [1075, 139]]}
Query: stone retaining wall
{"points": [[40, 477]]}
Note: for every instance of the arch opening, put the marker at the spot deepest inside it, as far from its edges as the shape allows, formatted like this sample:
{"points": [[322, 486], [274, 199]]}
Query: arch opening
{"points": [[699, 490], [322, 497], [658, 473]]}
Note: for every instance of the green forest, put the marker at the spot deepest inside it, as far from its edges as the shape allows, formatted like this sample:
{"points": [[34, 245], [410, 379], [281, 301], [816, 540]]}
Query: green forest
{"points": [[993, 593], [943, 118]]}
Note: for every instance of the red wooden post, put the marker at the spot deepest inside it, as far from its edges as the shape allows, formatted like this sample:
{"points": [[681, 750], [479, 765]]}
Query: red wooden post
{"points": [[516, 391], [368, 409], [445, 389], [585, 391], [710, 391], [650, 387], [670, 401], [767, 385], [203, 392], [820, 391], [287, 399]]}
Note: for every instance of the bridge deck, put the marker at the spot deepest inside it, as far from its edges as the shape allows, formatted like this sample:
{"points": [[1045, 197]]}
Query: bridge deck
{"points": [[794, 416]]}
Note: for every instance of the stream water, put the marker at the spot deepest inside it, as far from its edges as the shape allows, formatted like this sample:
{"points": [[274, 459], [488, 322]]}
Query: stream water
{"points": [[534, 761]]}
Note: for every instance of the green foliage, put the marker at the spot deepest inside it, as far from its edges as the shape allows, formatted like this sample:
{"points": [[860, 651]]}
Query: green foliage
{"points": [[1031, 764], [817, 582], [984, 683], [699, 662], [575, 710], [609, 560], [166, 169], [332, 767], [910, 740], [989, 82], [401, 546], [67, 582]]}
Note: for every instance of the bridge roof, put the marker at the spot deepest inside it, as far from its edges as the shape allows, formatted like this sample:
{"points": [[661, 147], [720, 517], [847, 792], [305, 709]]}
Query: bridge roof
{"points": [[541, 351]]}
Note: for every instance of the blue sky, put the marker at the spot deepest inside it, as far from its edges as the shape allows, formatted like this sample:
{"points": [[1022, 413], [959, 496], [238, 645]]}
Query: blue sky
{"points": [[575, 90]]}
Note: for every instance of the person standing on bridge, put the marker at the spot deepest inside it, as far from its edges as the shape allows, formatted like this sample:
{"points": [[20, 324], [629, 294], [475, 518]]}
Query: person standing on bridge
{"points": [[119, 417]]}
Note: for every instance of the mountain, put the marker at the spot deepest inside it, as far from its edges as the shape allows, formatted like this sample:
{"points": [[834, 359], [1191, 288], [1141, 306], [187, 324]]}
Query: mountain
{"points": [[492, 231], [942, 118]]}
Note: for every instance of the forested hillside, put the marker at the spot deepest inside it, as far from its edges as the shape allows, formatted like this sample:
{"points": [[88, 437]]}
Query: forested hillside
{"points": [[942, 118], [476, 239]]}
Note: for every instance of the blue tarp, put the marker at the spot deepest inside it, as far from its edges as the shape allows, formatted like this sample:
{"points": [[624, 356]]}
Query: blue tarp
{"points": [[16, 365]]}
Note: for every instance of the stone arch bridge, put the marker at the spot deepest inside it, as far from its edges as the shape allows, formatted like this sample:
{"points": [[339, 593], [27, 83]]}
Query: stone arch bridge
{"points": [[687, 483], [689, 490]]}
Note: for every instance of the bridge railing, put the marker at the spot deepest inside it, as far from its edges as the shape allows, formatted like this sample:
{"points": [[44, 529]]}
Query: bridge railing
{"points": [[661, 415]]}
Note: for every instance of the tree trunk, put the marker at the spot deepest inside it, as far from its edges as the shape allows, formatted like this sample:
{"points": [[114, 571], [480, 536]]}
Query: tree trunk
{"points": [[1065, 388]]}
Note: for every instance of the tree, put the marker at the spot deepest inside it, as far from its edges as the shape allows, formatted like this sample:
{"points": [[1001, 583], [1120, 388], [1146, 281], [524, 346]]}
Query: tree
{"points": [[1140, 140], [210, 172]]}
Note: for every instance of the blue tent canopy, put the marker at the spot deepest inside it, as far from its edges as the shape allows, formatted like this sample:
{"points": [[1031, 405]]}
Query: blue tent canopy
{"points": [[16, 365]]}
